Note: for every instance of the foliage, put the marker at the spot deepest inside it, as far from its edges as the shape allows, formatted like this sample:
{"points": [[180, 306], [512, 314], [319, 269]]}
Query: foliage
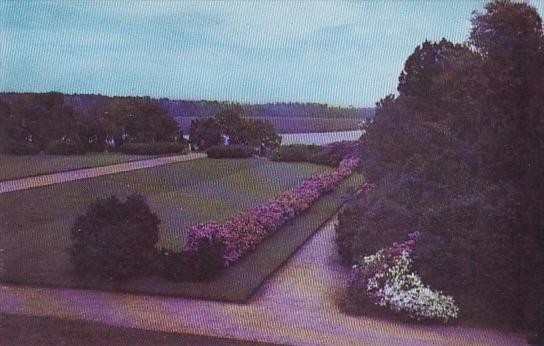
{"points": [[370, 223], [295, 153], [205, 133], [230, 125], [48, 120], [242, 232], [114, 240], [61, 147], [233, 151], [13, 147], [202, 264], [329, 155], [38, 119], [139, 120], [385, 279], [157, 148], [459, 153]]}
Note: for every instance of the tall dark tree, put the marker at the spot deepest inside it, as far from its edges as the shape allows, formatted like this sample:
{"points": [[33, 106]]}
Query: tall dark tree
{"points": [[510, 39]]}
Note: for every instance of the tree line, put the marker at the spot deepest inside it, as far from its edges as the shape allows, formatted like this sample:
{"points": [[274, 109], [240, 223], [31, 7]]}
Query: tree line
{"points": [[458, 153], [31, 122]]}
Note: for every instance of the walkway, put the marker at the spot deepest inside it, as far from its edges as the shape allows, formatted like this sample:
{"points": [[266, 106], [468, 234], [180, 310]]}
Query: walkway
{"points": [[296, 306], [61, 177]]}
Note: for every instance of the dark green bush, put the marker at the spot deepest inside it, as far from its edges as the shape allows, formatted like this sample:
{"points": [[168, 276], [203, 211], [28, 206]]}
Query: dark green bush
{"points": [[295, 153], [233, 151], [157, 148], [20, 148], [66, 148], [114, 240], [369, 224], [201, 265]]}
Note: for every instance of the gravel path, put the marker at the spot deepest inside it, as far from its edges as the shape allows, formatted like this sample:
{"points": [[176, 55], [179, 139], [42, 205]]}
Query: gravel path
{"points": [[61, 177], [296, 306]]}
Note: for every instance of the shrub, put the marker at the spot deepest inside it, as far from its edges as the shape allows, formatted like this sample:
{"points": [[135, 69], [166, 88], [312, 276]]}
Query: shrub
{"points": [[332, 154], [385, 279], [295, 153], [370, 223], [157, 148], [233, 151], [114, 240], [20, 148], [202, 263], [65, 148]]}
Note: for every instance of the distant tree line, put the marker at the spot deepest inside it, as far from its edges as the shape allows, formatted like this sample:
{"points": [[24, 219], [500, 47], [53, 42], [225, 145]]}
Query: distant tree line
{"points": [[459, 155], [30, 123], [88, 103]]}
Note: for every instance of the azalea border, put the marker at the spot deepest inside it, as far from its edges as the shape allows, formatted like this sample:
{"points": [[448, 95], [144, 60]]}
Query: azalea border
{"points": [[241, 233]]}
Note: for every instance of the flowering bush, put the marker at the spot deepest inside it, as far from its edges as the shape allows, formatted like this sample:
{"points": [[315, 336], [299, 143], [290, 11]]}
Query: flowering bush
{"points": [[385, 279], [242, 232]]}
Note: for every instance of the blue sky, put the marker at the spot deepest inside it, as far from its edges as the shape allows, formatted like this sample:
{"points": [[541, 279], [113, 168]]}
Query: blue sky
{"points": [[342, 53]]}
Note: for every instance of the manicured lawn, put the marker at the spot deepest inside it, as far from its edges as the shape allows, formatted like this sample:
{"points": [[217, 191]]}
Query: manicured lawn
{"points": [[18, 166], [16, 330], [35, 223]]}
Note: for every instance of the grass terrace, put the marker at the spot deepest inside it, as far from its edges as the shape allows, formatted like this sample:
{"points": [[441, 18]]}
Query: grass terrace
{"points": [[36, 239]]}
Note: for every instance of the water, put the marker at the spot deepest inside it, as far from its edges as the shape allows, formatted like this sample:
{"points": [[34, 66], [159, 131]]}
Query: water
{"points": [[320, 138]]}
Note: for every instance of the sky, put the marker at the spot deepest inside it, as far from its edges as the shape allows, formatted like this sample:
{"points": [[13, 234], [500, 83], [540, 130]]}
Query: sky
{"points": [[341, 52]]}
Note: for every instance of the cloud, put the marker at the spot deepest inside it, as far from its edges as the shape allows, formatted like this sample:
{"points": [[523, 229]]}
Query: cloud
{"points": [[338, 52]]}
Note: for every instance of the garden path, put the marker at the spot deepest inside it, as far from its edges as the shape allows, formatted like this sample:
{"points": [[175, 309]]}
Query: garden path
{"points": [[295, 306], [61, 177]]}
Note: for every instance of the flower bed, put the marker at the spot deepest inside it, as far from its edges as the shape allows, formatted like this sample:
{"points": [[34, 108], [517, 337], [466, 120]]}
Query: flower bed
{"points": [[385, 279], [242, 232]]}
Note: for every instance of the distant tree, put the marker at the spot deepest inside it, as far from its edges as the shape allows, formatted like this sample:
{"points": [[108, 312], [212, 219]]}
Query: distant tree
{"points": [[40, 119], [141, 120], [205, 133], [238, 130]]}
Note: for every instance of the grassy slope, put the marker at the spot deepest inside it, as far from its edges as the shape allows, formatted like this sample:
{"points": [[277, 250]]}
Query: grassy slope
{"points": [[18, 166], [18, 330], [35, 222]]}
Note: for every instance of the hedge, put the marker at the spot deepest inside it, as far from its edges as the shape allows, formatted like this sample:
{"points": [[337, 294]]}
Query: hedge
{"points": [[232, 151], [65, 148], [156, 148]]}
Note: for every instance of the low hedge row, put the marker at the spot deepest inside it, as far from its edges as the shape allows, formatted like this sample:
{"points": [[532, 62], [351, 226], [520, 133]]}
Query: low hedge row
{"points": [[241, 233], [233, 151], [157, 148], [20, 148], [65, 148]]}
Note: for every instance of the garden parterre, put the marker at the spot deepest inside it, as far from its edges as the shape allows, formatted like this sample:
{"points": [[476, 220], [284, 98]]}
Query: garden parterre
{"points": [[36, 240], [242, 232]]}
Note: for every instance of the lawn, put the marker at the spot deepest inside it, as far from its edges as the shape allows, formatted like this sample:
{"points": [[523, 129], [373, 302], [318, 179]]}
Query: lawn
{"points": [[35, 223], [18, 166], [16, 330]]}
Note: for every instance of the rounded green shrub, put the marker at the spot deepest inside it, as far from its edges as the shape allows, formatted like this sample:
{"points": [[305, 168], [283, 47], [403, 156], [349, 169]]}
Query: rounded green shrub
{"points": [[114, 240]]}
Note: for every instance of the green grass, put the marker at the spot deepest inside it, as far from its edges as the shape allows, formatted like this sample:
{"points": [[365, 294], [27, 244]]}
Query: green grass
{"points": [[35, 223], [19, 166], [16, 330]]}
